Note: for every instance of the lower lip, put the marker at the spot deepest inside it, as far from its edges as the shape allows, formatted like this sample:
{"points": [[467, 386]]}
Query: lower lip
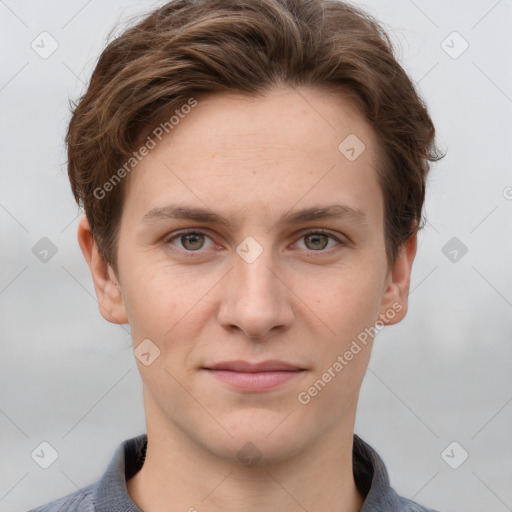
{"points": [[254, 381]]}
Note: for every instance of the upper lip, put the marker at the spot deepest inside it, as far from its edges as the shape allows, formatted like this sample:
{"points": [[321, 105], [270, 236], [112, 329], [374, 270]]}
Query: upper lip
{"points": [[263, 366]]}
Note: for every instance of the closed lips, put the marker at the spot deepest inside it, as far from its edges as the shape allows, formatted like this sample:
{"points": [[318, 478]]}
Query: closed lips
{"points": [[264, 366]]}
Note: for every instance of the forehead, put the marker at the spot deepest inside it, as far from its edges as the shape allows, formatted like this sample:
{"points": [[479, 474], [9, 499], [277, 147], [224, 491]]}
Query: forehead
{"points": [[232, 152]]}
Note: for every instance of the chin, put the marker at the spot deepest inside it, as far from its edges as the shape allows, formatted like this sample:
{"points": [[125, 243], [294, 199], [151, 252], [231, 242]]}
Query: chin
{"points": [[264, 440]]}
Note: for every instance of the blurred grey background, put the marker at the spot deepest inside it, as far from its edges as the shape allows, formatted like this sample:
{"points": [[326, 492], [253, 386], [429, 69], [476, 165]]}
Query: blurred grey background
{"points": [[439, 386]]}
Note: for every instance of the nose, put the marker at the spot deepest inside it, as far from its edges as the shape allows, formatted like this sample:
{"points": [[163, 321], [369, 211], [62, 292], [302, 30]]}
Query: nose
{"points": [[255, 298]]}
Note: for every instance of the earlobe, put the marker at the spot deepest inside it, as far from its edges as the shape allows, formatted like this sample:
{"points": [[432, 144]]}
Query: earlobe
{"points": [[395, 298], [106, 285]]}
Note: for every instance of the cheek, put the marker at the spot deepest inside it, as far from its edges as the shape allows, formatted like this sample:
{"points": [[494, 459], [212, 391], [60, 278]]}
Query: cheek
{"points": [[346, 301], [148, 314], [158, 296], [172, 311], [350, 309]]}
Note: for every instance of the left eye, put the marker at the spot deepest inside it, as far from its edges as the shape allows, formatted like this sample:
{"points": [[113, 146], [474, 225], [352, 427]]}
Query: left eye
{"points": [[318, 240], [193, 241]]}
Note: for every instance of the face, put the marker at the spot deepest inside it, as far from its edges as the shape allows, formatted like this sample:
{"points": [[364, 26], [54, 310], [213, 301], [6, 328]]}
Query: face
{"points": [[250, 279]]}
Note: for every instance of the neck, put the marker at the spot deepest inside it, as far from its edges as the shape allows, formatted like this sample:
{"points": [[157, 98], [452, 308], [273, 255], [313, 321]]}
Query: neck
{"points": [[180, 475]]}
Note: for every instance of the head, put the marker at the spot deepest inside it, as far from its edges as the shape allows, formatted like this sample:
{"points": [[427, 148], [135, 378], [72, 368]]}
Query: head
{"points": [[251, 112]]}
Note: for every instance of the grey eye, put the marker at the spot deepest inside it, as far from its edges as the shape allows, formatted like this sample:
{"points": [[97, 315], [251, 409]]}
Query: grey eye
{"points": [[192, 241], [317, 241]]}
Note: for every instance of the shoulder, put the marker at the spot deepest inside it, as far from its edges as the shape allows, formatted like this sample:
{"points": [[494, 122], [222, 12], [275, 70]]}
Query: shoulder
{"points": [[79, 501], [411, 506]]}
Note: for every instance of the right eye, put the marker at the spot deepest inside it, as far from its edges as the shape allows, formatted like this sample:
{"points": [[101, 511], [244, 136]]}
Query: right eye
{"points": [[191, 241]]}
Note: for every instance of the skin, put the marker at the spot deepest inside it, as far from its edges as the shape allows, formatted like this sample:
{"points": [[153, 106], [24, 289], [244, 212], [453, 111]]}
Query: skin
{"points": [[252, 160]]}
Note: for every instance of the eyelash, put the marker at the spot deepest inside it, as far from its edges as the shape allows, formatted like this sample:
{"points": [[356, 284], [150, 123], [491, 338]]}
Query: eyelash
{"points": [[192, 254]]}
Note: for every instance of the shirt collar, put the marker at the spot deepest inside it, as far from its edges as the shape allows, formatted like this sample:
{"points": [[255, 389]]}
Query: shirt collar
{"points": [[372, 479], [110, 493]]}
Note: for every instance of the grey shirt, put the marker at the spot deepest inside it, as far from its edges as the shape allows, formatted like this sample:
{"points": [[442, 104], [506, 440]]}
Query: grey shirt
{"points": [[109, 493]]}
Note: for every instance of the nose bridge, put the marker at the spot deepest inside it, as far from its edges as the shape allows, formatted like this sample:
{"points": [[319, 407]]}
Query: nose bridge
{"points": [[254, 299], [253, 273]]}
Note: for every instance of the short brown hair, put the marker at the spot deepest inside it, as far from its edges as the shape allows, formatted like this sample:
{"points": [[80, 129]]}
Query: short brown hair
{"points": [[194, 47]]}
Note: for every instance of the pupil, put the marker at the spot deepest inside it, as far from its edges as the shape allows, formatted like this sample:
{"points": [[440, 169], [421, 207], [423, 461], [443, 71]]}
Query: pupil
{"points": [[192, 236], [315, 239]]}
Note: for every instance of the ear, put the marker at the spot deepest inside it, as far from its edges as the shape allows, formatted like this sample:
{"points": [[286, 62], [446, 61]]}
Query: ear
{"points": [[108, 290], [395, 298]]}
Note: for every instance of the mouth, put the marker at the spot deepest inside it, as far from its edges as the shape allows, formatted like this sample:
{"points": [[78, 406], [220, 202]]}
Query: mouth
{"points": [[255, 377]]}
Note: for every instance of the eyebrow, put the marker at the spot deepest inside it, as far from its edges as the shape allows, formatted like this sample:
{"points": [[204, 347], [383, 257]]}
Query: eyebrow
{"points": [[334, 211]]}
